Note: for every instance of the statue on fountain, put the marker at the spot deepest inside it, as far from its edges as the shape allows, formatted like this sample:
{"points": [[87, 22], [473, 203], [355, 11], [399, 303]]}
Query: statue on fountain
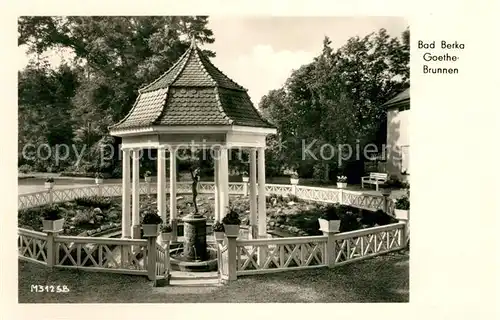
{"points": [[195, 175]]}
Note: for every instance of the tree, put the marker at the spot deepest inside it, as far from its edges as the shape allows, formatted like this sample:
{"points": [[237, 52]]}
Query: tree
{"points": [[113, 57], [337, 99]]}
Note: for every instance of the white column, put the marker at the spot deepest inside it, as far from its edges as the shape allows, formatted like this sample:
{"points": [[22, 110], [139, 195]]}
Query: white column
{"points": [[262, 192], [136, 227], [253, 193], [161, 184], [224, 182], [173, 192], [126, 194], [217, 212]]}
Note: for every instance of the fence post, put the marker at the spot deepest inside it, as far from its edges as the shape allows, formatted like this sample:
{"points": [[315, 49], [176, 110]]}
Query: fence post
{"points": [[51, 196], [51, 248], [341, 196], [294, 183], [405, 236], [330, 248], [151, 250], [99, 190], [231, 257], [245, 185]]}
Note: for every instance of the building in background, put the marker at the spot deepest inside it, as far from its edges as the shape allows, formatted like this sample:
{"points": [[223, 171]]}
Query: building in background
{"points": [[398, 114]]}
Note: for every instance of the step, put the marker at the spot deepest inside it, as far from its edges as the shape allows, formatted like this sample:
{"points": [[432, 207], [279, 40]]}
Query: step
{"points": [[194, 282], [182, 275]]}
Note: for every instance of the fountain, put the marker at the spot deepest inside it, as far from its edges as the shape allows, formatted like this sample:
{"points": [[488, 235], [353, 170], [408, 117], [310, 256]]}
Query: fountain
{"points": [[194, 255]]}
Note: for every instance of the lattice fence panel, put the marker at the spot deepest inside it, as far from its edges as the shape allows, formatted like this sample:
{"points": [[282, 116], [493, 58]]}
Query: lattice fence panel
{"points": [[365, 201], [32, 247], [278, 189], [281, 256], [371, 244]]}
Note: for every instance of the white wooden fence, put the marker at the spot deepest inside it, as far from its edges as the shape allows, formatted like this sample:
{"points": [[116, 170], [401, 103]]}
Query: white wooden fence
{"points": [[357, 199], [235, 257]]}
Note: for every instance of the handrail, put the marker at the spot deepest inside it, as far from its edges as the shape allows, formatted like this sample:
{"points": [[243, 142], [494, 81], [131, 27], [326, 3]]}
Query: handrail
{"points": [[100, 240], [287, 240], [27, 232]]}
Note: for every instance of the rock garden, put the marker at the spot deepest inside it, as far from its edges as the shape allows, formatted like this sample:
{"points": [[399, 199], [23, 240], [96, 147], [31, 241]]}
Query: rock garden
{"points": [[286, 215]]}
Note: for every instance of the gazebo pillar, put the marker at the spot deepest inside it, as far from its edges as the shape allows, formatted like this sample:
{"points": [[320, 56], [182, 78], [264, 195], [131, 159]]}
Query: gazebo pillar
{"points": [[224, 182], [262, 251], [217, 211], [253, 194], [161, 184], [136, 223], [262, 192], [126, 194], [173, 192]]}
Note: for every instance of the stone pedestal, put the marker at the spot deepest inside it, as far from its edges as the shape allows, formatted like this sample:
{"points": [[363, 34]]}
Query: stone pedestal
{"points": [[195, 237]]}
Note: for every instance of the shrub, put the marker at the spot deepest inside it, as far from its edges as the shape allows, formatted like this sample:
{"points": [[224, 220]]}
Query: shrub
{"points": [[232, 217], [330, 213], [50, 180], [218, 227], [151, 217], [294, 175], [293, 197], [52, 213], [30, 217], [166, 228], [84, 217], [403, 203], [147, 174], [342, 179], [99, 175], [94, 202], [25, 168]]}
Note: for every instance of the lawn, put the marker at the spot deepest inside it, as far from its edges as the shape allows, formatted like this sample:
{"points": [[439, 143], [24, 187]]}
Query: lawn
{"points": [[380, 279]]}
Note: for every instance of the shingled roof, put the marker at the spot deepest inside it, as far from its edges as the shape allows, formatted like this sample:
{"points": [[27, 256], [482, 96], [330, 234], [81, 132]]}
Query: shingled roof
{"points": [[193, 92], [399, 99]]}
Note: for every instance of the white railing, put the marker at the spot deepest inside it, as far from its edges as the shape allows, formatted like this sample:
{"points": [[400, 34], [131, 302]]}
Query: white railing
{"points": [[280, 254], [279, 189], [319, 194], [32, 246], [127, 256], [162, 261], [357, 199], [366, 243]]}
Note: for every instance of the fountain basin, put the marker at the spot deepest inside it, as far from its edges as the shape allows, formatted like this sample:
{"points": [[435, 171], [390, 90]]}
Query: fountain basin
{"points": [[180, 263]]}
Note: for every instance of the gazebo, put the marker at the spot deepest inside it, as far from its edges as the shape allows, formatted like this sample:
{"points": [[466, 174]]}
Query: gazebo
{"points": [[192, 104]]}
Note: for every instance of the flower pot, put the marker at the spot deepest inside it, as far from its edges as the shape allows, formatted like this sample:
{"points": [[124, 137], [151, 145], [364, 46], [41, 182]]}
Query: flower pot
{"points": [[53, 225], [245, 179], [385, 191], [98, 180], [147, 179], [150, 230], [166, 236], [232, 230], [49, 185], [329, 225], [219, 235], [402, 214], [341, 185], [294, 180]]}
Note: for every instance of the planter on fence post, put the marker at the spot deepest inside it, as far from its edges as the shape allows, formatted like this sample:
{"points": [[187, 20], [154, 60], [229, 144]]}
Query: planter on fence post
{"points": [[231, 257]]}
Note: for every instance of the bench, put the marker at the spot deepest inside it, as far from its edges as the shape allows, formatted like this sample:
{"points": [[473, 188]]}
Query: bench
{"points": [[375, 178]]}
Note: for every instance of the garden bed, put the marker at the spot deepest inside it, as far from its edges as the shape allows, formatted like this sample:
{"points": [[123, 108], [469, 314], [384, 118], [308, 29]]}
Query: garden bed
{"points": [[286, 215]]}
